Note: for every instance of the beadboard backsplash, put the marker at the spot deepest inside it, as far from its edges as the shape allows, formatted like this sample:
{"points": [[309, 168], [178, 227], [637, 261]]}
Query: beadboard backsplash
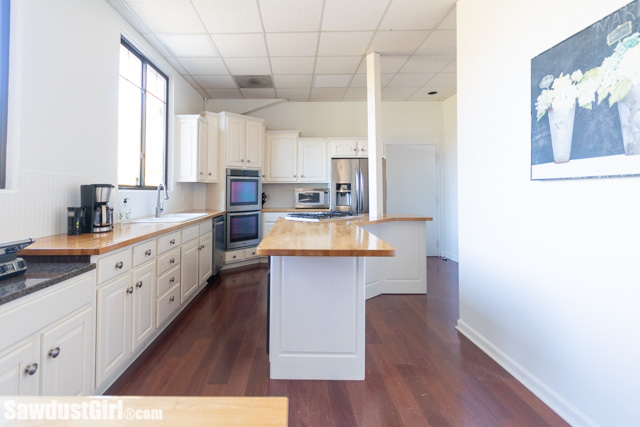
{"points": [[282, 195]]}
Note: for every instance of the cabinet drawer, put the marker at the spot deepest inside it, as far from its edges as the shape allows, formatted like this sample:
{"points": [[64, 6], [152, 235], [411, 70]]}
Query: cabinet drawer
{"points": [[168, 304], [113, 265], [167, 280], [168, 260], [168, 241], [206, 226], [190, 233], [233, 256], [144, 252], [250, 253]]}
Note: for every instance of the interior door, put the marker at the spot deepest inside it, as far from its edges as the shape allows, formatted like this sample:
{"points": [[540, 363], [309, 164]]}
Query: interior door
{"points": [[412, 185]]}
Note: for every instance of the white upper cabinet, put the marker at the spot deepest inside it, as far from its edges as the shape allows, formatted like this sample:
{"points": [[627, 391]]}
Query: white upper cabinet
{"points": [[312, 160], [197, 148], [351, 147], [282, 156], [243, 139]]}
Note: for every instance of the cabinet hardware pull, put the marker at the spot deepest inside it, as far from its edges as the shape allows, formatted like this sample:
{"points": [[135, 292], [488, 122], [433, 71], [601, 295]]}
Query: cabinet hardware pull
{"points": [[172, 260], [31, 369], [209, 173], [242, 160], [119, 265], [295, 176], [173, 279], [130, 290], [139, 284], [172, 299], [54, 352], [147, 252], [172, 241], [201, 173], [234, 257], [355, 149], [301, 176], [248, 161]]}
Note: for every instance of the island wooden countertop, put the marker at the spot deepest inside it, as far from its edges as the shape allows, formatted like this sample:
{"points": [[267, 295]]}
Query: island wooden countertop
{"points": [[100, 243], [333, 237]]}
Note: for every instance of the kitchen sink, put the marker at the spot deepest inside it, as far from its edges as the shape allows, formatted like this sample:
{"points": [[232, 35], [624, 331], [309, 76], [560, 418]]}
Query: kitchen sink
{"points": [[175, 217]]}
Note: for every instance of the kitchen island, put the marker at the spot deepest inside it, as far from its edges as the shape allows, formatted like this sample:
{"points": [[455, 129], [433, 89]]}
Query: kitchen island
{"points": [[318, 277]]}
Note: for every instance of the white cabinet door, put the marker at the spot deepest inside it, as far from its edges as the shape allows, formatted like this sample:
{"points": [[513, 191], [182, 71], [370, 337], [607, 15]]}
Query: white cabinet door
{"points": [[192, 147], [344, 147], [206, 257], [212, 147], [312, 160], [363, 148], [282, 157], [202, 150], [66, 356], [19, 369], [143, 304], [235, 141], [113, 326], [254, 144], [190, 273]]}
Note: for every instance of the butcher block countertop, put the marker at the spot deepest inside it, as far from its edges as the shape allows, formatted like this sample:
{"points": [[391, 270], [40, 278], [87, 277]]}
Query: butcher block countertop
{"points": [[100, 243], [333, 237]]}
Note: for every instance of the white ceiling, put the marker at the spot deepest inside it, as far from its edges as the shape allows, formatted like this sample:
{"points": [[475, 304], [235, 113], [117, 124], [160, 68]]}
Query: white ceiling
{"points": [[313, 49]]}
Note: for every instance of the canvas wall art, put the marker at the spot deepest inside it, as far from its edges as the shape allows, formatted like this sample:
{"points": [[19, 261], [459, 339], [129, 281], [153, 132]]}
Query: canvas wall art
{"points": [[585, 101]]}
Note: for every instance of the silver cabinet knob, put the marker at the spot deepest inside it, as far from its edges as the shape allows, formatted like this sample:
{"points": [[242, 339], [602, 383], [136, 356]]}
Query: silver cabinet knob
{"points": [[172, 260], [201, 173], [355, 149], [139, 284], [130, 290], [172, 299], [209, 173], [173, 279], [54, 352], [31, 369], [301, 176], [234, 257], [248, 161], [119, 265], [147, 252], [242, 160], [172, 241]]}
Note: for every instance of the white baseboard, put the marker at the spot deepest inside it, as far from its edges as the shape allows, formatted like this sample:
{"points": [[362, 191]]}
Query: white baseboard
{"points": [[550, 397], [450, 256]]}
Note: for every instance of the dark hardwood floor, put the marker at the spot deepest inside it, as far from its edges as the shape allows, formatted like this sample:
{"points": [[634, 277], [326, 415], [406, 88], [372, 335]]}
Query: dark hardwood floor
{"points": [[419, 370]]}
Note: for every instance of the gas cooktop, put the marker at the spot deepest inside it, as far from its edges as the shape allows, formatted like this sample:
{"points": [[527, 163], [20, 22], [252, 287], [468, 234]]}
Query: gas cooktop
{"points": [[318, 216]]}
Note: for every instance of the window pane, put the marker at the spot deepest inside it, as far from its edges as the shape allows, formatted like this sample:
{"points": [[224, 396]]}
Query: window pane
{"points": [[156, 84], [130, 66], [155, 141], [129, 133]]}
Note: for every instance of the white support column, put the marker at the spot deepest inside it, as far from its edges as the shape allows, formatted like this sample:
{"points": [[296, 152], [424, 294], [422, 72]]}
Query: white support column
{"points": [[375, 139]]}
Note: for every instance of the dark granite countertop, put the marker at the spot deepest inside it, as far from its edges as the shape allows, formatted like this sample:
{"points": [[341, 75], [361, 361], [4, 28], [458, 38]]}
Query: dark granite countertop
{"points": [[40, 275]]}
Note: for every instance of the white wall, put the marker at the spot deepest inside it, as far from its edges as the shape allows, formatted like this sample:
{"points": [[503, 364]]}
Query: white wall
{"points": [[450, 179], [63, 112], [548, 269]]}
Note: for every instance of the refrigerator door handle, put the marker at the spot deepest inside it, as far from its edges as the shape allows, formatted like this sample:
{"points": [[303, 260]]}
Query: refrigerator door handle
{"points": [[361, 192], [356, 195]]}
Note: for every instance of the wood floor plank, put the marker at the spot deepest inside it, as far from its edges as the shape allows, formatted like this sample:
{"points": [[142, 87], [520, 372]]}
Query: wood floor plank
{"points": [[418, 369]]}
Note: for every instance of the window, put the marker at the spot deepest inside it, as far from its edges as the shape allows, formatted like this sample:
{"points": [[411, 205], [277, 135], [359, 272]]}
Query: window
{"points": [[142, 121], [4, 88]]}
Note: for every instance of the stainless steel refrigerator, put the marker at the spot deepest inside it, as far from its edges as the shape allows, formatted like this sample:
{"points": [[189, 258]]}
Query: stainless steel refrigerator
{"points": [[350, 185]]}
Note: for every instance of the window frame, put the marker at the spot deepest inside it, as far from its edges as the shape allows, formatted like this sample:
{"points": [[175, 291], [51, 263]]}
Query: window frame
{"points": [[143, 100], [5, 40]]}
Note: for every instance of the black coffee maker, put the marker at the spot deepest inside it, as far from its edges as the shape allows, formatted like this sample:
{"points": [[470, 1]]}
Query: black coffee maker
{"points": [[95, 199]]}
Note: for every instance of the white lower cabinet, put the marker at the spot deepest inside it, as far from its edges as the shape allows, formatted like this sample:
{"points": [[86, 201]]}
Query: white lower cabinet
{"points": [[46, 340], [168, 303], [143, 307], [205, 257], [190, 274]]}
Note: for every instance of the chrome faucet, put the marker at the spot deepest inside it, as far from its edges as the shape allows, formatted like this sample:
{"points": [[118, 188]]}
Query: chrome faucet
{"points": [[160, 205]]}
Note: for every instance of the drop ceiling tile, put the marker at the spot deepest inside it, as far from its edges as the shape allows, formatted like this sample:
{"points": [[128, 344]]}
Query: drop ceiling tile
{"points": [[206, 66], [443, 79], [410, 80], [176, 65], [224, 16], [449, 22], [189, 45], [291, 15], [215, 82], [293, 65], [158, 45], [332, 80], [397, 42], [240, 45], [427, 63], [356, 93], [439, 42], [398, 92], [353, 15], [292, 44], [388, 64], [337, 64], [443, 93], [344, 43], [293, 93], [168, 16], [292, 81], [415, 14], [258, 93], [248, 66], [451, 68], [224, 93], [360, 80], [327, 93]]}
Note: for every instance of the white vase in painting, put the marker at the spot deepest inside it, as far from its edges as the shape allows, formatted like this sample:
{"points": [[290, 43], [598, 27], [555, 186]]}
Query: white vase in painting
{"points": [[561, 126], [629, 109]]}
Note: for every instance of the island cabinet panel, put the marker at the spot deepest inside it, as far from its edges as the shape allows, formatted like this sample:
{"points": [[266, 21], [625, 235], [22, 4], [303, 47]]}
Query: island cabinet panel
{"points": [[317, 318]]}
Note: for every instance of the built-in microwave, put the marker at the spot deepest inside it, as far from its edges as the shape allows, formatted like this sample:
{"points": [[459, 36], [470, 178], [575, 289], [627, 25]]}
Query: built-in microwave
{"points": [[316, 198], [244, 190], [243, 229]]}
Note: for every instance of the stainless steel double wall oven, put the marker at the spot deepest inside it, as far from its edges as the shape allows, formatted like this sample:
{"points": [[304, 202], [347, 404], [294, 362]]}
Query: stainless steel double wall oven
{"points": [[244, 204]]}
